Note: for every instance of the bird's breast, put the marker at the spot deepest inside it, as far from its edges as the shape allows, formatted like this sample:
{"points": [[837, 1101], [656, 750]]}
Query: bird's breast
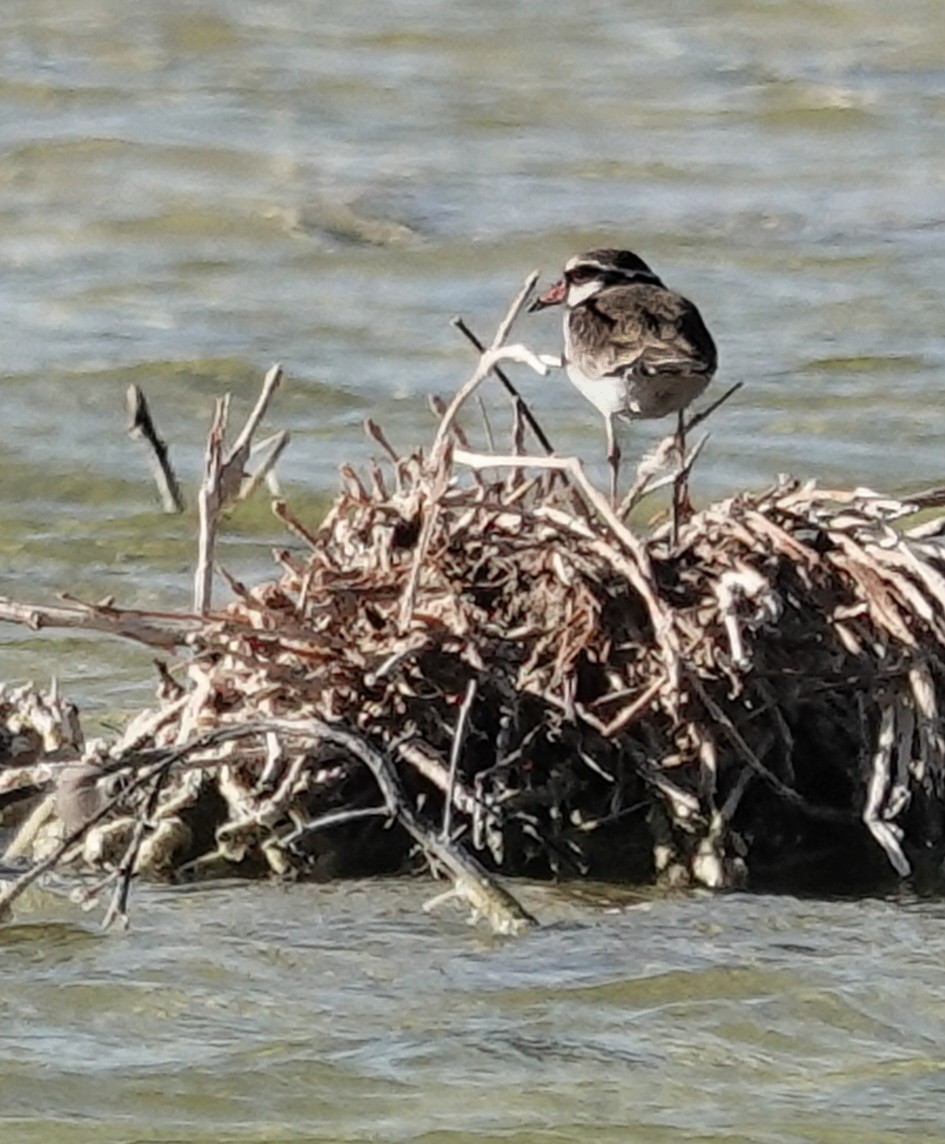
{"points": [[608, 394]]}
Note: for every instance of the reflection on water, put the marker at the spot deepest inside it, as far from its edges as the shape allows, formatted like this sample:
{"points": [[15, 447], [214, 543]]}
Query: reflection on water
{"points": [[197, 191]]}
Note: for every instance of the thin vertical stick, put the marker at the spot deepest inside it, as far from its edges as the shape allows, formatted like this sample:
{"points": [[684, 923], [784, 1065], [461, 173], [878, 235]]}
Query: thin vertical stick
{"points": [[456, 750], [209, 500], [141, 425], [681, 483]]}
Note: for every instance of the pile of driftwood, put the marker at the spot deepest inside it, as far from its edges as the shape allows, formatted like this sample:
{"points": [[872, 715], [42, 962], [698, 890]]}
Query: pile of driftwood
{"points": [[475, 657]]}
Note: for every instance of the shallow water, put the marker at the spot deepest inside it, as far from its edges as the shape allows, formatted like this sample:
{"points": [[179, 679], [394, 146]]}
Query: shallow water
{"points": [[346, 1014], [192, 190]]}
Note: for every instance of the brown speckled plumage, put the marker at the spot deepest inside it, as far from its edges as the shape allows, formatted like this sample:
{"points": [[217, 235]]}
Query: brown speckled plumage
{"points": [[652, 338]]}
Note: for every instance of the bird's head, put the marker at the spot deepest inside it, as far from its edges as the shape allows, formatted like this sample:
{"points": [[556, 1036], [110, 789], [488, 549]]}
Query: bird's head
{"points": [[587, 274]]}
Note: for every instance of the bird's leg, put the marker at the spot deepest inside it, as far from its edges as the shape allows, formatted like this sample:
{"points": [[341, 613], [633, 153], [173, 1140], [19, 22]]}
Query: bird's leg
{"points": [[613, 458]]}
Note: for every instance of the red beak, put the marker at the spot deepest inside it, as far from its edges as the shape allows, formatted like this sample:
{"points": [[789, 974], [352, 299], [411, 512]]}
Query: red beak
{"points": [[553, 296]]}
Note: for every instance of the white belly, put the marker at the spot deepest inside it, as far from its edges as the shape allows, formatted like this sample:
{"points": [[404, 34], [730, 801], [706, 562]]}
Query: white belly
{"points": [[608, 394]]}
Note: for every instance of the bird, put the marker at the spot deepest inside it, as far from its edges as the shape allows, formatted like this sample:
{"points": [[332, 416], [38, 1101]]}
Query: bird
{"points": [[634, 348]]}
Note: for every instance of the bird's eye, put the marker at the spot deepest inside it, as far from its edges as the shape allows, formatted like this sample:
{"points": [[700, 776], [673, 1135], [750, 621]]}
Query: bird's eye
{"points": [[580, 275]]}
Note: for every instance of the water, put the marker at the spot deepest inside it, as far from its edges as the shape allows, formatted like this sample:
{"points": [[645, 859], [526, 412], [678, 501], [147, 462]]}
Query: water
{"points": [[192, 190], [345, 1014]]}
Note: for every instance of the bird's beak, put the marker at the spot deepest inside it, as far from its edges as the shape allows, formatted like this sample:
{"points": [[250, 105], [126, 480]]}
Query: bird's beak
{"points": [[553, 296]]}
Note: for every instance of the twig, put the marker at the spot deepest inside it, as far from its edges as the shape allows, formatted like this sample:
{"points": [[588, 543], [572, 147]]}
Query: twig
{"points": [[488, 360], [486, 423], [459, 736], [877, 810], [374, 431], [223, 480], [731, 732], [570, 465], [273, 447], [625, 717], [681, 502], [438, 408], [521, 405], [155, 629], [239, 454], [933, 497], [699, 417], [118, 907], [331, 819], [430, 514], [280, 510], [141, 426], [210, 499], [647, 482]]}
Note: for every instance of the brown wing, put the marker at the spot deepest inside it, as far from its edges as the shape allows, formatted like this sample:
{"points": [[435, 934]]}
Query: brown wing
{"points": [[648, 330]]}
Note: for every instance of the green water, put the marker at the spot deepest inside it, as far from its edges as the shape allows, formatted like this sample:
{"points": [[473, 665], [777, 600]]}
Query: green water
{"points": [[343, 1013]]}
